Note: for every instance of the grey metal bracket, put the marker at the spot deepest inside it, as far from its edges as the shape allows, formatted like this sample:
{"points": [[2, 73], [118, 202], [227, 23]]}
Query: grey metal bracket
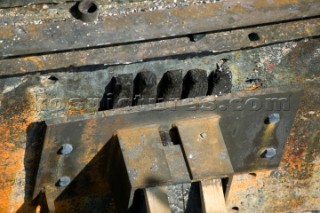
{"points": [[200, 155], [79, 153]]}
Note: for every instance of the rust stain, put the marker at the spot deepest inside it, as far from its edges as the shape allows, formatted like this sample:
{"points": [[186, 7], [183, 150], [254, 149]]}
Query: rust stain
{"points": [[253, 87], [39, 64], [302, 141], [16, 119], [269, 66], [294, 152], [86, 136], [270, 4], [267, 134], [10, 164], [23, 69], [202, 12], [6, 33], [238, 9], [33, 30]]}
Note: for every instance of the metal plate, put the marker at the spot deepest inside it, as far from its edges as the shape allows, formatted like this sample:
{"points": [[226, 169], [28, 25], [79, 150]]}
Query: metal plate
{"points": [[242, 125], [133, 52], [143, 156], [143, 162], [45, 37], [204, 148], [177, 165]]}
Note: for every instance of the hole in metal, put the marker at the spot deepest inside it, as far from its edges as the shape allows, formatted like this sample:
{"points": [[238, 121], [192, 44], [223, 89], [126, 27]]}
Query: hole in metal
{"points": [[53, 78], [254, 37], [235, 209], [253, 174], [92, 8], [197, 37]]}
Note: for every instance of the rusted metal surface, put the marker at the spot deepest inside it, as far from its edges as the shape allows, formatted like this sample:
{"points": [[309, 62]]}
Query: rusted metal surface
{"points": [[204, 148], [31, 98], [18, 3], [145, 88], [193, 84], [294, 186], [46, 37], [88, 10], [15, 3], [147, 164], [128, 53], [95, 133], [145, 158]]}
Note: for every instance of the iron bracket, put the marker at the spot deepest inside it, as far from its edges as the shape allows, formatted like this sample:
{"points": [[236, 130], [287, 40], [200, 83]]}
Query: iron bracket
{"points": [[240, 132]]}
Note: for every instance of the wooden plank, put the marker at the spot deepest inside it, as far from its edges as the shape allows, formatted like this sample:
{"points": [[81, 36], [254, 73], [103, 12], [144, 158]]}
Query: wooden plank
{"points": [[212, 196], [157, 200]]}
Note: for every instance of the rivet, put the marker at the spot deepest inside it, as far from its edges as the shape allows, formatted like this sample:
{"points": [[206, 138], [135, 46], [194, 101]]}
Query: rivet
{"points": [[272, 118], [203, 135], [63, 181], [268, 153], [65, 149]]}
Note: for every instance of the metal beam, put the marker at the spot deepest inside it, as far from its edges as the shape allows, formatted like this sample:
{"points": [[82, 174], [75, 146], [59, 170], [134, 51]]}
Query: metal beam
{"points": [[129, 53], [69, 34]]}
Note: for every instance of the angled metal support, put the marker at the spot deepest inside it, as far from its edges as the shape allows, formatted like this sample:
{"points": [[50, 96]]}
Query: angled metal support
{"points": [[200, 139]]}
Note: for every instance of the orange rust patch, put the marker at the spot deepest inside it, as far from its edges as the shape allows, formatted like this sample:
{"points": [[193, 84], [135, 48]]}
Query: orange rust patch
{"points": [[87, 135], [268, 4], [238, 9], [6, 33], [253, 87], [16, 120], [295, 148], [295, 203], [22, 69], [10, 163], [244, 183], [293, 154], [36, 61], [33, 30], [202, 12]]}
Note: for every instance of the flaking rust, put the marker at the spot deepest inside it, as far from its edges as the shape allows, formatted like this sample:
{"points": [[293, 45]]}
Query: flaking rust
{"points": [[15, 118], [298, 173], [296, 62]]}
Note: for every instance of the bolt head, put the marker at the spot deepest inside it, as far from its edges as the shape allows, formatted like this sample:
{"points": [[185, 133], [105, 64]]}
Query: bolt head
{"points": [[65, 149], [63, 181], [268, 153], [272, 118], [203, 135]]}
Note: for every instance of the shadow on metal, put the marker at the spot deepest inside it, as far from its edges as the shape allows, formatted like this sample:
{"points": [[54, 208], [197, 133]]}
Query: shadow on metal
{"points": [[91, 182], [35, 136]]}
